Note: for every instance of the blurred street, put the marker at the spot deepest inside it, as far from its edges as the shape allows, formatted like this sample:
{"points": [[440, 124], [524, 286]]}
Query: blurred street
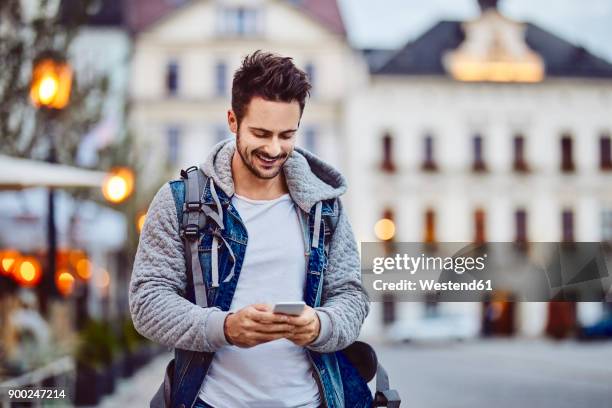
{"points": [[138, 389], [496, 373], [501, 373]]}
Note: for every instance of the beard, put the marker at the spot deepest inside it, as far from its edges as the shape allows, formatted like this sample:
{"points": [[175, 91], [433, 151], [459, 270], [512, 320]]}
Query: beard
{"points": [[251, 159]]}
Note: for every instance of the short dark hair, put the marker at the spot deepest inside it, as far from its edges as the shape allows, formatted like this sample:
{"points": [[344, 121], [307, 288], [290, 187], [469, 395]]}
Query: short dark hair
{"points": [[270, 76]]}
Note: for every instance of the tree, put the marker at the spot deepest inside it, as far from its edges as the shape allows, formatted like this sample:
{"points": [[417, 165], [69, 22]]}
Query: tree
{"points": [[27, 29]]}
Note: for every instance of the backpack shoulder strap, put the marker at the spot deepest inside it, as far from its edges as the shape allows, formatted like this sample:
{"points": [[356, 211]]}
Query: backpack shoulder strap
{"points": [[330, 222], [193, 220]]}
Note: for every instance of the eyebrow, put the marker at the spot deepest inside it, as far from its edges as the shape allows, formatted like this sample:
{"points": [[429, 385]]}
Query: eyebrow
{"points": [[269, 131]]}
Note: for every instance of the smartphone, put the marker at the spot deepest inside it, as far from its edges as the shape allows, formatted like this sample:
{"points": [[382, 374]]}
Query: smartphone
{"points": [[290, 308]]}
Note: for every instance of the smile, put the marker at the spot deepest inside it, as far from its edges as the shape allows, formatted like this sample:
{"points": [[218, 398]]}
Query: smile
{"points": [[265, 160]]}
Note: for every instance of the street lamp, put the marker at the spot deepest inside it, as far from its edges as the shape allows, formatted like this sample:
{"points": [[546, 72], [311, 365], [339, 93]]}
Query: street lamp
{"points": [[384, 229], [27, 271], [50, 88], [140, 220], [8, 259], [51, 82], [118, 185]]}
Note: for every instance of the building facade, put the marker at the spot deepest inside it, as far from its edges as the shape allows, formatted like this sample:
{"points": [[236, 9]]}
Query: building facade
{"points": [[184, 59], [489, 130]]}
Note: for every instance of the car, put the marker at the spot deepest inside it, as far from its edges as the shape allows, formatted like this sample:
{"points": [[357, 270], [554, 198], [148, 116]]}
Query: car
{"points": [[437, 327]]}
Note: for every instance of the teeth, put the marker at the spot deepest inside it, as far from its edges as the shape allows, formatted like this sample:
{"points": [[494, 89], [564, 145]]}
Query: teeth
{"points": [[267, 160]]}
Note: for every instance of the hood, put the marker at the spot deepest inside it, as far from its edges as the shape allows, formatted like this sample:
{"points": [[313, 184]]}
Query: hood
{"points": [[309, 178]]}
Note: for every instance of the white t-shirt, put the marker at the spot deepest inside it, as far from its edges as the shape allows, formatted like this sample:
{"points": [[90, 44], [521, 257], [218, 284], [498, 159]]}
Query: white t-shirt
{"points": [[276, 373]]}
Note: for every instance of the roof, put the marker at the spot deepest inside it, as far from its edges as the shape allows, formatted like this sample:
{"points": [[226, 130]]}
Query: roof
{"points": [[325, 12], [376, 57], [141, 14], [423, 56]]}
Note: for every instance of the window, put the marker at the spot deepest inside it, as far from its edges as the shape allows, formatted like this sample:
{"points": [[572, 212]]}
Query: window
{"points": [[606, 226], [388, 310], [238, 21], [172, 78], [479, 163], [310, 73], [387, 150], [220, 78], [173, 135], [429, 163], [520, 165], [310, 139], [520, 220], [430, 227], [567, 159], [567, 220], [479, 226], [432, 304], [605, 152]]}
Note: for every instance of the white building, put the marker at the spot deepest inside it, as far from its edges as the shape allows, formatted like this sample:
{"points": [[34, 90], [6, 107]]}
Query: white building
{"points": [[491, 130], [488, 130], [184, 59]]}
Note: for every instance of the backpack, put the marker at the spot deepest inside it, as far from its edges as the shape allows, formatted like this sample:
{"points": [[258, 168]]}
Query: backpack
{"points": [[193, 219]]}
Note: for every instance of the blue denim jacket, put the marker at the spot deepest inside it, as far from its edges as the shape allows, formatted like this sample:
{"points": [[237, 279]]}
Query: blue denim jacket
{"points": [[339, 382]]}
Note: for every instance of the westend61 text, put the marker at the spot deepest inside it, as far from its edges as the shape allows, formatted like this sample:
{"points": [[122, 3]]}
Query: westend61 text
{"points": [[431, 284]]}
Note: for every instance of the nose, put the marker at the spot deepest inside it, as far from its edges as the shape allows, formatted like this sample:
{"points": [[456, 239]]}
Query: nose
{"points": [[274, 148]]}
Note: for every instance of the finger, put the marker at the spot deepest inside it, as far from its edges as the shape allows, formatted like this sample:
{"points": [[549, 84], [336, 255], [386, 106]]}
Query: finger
{"points": [[305, 330], [300, 339], [300, 320], [266, 337], [262, 307], [269, 318], [310, 328], [272, 328]]}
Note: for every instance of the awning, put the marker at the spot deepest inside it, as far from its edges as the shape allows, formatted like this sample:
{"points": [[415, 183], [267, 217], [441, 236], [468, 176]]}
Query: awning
{"points": [[17, 173]]}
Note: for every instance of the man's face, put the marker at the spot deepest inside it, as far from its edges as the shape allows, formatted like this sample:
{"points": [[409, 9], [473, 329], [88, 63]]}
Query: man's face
{"points": [[266, 136]]}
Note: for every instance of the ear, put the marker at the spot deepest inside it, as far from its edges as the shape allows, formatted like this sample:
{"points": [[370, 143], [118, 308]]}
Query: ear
{"points": [[232, 122]]}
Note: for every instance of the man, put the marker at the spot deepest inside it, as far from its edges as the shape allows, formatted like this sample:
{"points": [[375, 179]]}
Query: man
{"points": [[272, 246]]}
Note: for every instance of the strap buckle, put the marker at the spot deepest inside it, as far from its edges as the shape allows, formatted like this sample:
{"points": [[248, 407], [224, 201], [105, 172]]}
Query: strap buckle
{"points": [[190, 231], [191, 206], [184, 174]]}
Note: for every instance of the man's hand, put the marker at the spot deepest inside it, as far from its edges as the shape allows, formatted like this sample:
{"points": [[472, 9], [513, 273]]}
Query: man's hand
{"points": [[306, 327], [256, 324]]}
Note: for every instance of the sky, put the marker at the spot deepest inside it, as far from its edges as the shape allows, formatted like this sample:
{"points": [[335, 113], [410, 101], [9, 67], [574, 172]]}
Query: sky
{"points": [[391, 23]]}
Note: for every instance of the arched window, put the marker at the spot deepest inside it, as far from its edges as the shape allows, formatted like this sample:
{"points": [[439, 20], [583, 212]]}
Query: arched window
{"points": [[388, 163], [605, 152], [567, 156], [479, 226], [429, 235], [429, 162], [477, 146], [520, 163]]}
